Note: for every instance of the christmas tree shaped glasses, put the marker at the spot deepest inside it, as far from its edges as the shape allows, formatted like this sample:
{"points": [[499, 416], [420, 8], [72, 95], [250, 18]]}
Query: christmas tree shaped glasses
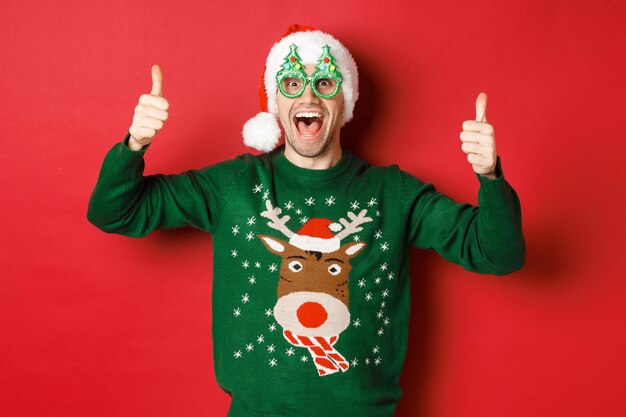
{"points": [[292, 79]]}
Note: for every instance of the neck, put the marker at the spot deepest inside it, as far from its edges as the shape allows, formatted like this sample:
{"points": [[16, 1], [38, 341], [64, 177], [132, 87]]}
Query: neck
{"points": [[326, 160]]}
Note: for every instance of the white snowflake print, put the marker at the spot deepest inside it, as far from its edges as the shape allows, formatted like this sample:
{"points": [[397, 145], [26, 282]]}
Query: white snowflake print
{"points": [[251, 221], [377, 280], [235, 230], [288, 205], [390, 276], [384, 246], [257, 264], [385, 293], [249, 236], [252, 279], [273, 267], [375, 349], [257, 188], [378, 361], [379, 315], [245, 264], [383, 304], [273, 362], [354, 205], [260, 339], [304, 219], [368, 296], [271, 348], [383, 267], [367, 361], [309, 201], [371, 202], [268, 312], [357, 323], [237, 354], [237, 312], [378, 234], [272, 327], [330, 201], [298, 212], [245, 298], [233, 253], [377, 213], [386, 321], [354, 362], [266, 194], [290, 352], [380, 331], [362, 282], [356, 238], [303, 358]]}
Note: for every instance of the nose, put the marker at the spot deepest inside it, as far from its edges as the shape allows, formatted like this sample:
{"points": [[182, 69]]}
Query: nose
{"points": [[308, 95], [312, 314]]}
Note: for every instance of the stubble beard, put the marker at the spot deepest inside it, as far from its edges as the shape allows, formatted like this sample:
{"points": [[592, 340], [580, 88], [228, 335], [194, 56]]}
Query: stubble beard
{"points": [[310, 150]]}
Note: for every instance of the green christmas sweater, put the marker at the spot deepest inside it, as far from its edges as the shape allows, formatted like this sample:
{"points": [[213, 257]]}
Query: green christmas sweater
{"points": [[311, 267]]}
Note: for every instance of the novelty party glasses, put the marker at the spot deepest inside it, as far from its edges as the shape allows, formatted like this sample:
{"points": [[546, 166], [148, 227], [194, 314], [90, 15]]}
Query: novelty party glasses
{"points": [[292, 79]]}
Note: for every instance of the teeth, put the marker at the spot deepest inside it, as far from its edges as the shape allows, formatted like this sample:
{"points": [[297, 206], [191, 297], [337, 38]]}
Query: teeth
{"points": [[308, 114]]}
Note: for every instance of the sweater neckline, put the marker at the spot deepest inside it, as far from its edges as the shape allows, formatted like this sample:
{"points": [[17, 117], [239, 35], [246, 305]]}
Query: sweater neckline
{"points": [[288, 168]]}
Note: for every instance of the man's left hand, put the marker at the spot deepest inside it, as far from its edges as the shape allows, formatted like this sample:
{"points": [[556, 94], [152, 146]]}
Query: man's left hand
{"points": [[479, 142]]}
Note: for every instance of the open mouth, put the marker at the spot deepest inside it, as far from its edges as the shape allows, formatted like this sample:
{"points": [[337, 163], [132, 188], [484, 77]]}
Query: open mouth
{"points": [[308, 123]]}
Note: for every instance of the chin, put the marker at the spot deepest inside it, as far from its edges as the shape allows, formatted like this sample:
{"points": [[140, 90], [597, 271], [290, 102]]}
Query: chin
{"points": [[307, 147]]}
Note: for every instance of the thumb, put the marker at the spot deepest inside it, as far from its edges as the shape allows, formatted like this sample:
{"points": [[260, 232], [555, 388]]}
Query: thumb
{"points": [[481, 107], [157, 81]]}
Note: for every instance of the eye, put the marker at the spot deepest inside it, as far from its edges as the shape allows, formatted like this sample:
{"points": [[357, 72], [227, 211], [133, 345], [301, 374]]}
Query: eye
{"points": [[334, 269], [325, 85], [295, 266]]}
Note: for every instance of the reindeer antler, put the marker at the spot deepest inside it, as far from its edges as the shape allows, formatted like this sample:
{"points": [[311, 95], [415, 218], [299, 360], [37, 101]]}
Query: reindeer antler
{"points": [[276, 222], [354, 225]]}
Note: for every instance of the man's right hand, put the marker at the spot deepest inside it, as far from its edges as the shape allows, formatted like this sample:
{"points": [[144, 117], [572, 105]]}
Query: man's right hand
{"points": [[150, 113]]}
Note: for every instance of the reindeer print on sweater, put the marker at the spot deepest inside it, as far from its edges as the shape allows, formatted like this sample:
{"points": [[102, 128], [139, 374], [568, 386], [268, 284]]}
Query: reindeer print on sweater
{"points": [[312, 305], [312, 281]]}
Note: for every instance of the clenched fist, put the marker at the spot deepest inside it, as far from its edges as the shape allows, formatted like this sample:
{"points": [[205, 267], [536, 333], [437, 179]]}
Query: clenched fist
{"points": [[479, 142], [150, 113]]}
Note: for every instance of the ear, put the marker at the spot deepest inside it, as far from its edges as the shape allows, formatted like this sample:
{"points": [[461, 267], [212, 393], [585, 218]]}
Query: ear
{"points": [[353, 248], [274, 245]]}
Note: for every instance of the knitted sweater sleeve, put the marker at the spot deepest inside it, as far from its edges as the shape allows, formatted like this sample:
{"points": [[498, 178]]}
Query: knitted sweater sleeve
{"points": [[486, 238], [126, 202]]}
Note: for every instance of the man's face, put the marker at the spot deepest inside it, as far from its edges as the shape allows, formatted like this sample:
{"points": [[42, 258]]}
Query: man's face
{"points": [[311, 124]]}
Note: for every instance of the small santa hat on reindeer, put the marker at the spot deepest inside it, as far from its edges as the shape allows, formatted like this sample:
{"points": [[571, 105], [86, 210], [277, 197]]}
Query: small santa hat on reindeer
{"points": [[316, 235], [263, 132]]}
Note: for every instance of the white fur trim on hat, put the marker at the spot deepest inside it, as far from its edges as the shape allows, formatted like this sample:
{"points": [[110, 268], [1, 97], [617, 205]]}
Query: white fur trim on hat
{"points": [[317, 244], [310, 45], [262, 132]]}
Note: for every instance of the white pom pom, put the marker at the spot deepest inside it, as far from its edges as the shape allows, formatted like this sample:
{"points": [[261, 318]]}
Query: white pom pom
{"points": [[262, 132], [334, 227]]}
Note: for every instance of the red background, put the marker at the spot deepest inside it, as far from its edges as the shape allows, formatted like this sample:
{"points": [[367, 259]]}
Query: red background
{"points": [[102, 325]]}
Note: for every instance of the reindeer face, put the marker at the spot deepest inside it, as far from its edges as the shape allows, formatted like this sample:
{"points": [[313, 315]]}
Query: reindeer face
{"points": [[312, 287], [303, 270]]}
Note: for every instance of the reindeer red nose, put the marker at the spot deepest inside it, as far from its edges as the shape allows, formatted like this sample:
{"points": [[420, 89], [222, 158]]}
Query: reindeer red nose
{"points": [[312, 314]]}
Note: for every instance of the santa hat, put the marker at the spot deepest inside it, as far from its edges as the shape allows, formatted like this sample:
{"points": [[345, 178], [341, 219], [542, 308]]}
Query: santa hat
{"points": [[316, 235], [262, 132]]}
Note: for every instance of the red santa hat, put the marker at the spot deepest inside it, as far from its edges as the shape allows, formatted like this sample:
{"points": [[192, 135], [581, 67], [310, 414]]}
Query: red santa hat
{"points": [[262, 132], [316, 235]]}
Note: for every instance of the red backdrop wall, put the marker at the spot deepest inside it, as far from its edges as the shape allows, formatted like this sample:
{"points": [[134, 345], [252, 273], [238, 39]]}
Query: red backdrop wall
{"points": [[101, 325]]}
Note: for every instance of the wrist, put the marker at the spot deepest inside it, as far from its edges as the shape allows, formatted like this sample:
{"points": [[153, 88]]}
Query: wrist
{"points": [[133, 144], [491, 175]]}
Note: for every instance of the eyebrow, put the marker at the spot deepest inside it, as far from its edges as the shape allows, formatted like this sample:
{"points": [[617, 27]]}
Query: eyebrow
{"points": [[333, 259]]}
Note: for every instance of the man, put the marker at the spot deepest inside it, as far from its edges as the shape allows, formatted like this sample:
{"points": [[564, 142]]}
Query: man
{"points": [[311, 254]]}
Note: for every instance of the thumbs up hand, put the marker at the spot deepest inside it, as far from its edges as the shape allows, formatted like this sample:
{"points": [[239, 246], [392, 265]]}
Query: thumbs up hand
{"points": [[150, 113], [479, 142]]}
